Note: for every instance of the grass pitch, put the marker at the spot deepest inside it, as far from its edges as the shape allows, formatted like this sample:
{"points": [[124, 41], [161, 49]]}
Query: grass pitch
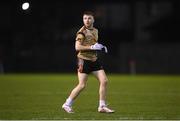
{"points": [[40, 96]]}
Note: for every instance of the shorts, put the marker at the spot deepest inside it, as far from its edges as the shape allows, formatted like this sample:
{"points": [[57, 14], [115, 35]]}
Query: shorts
{"points": [[87, 66]]}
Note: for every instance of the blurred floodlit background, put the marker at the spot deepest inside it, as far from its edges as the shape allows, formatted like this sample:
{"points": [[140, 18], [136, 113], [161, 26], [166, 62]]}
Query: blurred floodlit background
{"points": [[142, 35]]}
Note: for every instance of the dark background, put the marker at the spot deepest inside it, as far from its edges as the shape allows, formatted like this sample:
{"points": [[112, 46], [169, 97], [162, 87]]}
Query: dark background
{"points": [[142, 35]]}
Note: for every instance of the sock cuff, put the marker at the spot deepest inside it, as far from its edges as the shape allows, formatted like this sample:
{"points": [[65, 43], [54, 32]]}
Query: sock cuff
{"points": [[69, 101], [102, 103]]}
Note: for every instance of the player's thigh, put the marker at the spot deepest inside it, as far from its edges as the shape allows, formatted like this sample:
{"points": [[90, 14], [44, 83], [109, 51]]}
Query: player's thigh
{"points": [[100, 75]]}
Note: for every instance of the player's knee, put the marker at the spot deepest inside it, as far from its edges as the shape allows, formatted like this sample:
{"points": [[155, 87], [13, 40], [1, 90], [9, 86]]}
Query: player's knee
{"points": [[104, 81], [81, 86]]}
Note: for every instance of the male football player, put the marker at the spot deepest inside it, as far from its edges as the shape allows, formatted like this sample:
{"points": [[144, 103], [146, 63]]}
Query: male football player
{"points": [[87, 45]]}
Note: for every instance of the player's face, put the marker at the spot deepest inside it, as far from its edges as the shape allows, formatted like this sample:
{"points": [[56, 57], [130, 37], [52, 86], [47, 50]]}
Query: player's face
{"points": [[88, 20]]}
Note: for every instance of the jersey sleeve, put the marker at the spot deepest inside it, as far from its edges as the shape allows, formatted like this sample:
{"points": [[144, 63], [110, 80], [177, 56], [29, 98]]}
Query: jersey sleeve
{"points": [[80, 37]]}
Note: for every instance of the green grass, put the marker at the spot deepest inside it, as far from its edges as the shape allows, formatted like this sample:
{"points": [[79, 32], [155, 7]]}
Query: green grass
{"points": [[40, 97]]}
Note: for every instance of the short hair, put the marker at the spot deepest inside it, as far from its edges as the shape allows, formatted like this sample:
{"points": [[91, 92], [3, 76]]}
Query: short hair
{"points": [[88, 13]]}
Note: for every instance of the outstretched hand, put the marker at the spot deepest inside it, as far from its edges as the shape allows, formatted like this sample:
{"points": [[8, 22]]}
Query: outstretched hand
{"points": [[97, 46]]}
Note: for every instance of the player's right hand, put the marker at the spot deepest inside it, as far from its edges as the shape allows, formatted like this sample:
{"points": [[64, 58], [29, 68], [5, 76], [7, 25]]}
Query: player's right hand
{"points": [[97, 46]]}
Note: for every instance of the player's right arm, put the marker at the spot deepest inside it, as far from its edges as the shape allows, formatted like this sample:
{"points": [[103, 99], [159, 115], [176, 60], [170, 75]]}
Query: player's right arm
{"points": [[80, 47], [79, 40]]}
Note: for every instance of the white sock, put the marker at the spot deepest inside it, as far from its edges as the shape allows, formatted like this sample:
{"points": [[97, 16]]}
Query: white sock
{"points": [[69, 101], [102, 103]]}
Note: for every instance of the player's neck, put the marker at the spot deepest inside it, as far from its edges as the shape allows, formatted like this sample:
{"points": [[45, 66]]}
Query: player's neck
{"points": [[89, 27]]}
